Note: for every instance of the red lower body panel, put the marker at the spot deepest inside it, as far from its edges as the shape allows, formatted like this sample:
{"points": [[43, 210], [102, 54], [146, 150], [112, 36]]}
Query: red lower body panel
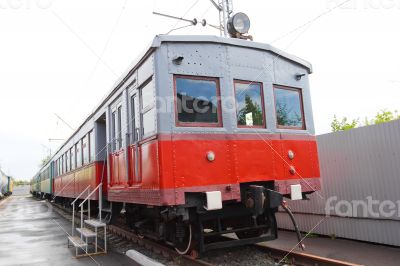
{"points": [[70, 185], [171, 165]]}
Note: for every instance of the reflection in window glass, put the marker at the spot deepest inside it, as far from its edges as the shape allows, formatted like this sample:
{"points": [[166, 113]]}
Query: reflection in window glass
{"points": [[288, 107], [55, 168], [63, 164], [85, 149], [78, 154], [119, 128], [133, 113], [67, 162], [249, 104], [91, 146], [73, 158], [147, 95], [113, 136], [197, 100], [149, 122]]}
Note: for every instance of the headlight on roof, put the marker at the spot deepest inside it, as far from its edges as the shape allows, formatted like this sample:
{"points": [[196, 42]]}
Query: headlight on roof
{"points": [[238, 24]]}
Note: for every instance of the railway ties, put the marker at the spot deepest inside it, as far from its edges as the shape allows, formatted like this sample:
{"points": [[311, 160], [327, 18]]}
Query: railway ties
{"points": [[122, 240]]}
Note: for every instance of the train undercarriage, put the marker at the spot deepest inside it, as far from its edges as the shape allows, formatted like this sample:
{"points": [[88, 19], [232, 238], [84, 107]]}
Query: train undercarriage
{"points": [[191, 229]]}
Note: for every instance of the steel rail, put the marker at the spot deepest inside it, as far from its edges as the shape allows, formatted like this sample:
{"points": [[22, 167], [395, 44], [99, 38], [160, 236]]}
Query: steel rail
{"points": [[156, 247], [301, 258], [147, 243], [293, 258]]}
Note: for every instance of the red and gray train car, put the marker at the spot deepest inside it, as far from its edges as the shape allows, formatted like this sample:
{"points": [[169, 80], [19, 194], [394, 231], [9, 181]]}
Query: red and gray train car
{"points": [[202, 136]]}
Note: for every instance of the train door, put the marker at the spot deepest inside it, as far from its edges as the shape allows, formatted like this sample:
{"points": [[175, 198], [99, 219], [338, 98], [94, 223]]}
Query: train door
{"points": [[117, 160], [133, 151]]}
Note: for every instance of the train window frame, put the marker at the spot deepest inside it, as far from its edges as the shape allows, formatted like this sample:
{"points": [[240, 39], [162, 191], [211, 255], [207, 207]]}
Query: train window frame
{"points": [[132, 106], [59, 167], [263, 109], [116, 127], [85, 149], [67, 161], [300, 94], [73, 158], [219, 106], [119, 127], [92, 150], [146, 108], [63, 163], [79, 163]]}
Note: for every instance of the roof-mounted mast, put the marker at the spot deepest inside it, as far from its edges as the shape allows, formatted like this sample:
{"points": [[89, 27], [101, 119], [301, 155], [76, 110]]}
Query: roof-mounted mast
{"points": [[234, 26]]}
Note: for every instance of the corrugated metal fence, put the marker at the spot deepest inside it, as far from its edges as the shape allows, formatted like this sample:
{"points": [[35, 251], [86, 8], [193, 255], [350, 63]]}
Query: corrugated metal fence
{"points": [[360, 172]]}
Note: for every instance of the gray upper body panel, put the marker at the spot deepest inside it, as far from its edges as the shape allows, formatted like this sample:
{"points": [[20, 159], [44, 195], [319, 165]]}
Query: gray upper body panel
{"points": [[228, 60]]}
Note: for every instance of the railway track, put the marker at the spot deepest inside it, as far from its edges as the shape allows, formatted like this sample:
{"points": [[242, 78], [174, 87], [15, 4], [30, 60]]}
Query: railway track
{"points": [[300, 258], [124, 239], [118, 237]]}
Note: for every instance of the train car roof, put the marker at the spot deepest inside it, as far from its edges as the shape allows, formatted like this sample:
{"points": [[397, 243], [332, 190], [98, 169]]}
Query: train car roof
{"points": [[157, 42], [229, 41], [159, 39]]}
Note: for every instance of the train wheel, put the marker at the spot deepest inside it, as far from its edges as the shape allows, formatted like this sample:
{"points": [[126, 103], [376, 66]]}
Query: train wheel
{"points": [[184, 239]]}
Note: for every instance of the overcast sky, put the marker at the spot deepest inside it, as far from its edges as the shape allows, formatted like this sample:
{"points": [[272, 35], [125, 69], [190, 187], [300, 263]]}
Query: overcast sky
{"points": [[61, 57]]}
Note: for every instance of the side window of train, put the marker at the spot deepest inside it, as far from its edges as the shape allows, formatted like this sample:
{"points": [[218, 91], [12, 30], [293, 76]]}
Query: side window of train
{"points": [[63, 164], [58, 167], [73, 158], [197, 101], [119, 128], [116, 131], [289, 107], [67, 161], [250, 110], [113, 140], [78, 148], [85, 149], [91, 146], [148, 111], [133, 135]]}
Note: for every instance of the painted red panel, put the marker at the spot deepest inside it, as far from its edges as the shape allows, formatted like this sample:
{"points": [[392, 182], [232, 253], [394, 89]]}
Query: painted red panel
{"points": [[302, 161], [173, 164], [132, 165], [191, 167], [149, 164], [118, 168], [237, 160], [72, 184], [257, 160]]}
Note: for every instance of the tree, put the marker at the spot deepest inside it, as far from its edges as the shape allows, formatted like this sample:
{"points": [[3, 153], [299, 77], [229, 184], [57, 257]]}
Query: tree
{"points": [[382, 116], [44, 161], [21, 182], [385, 116], [343, 125], [253, 108], [283, 113]]}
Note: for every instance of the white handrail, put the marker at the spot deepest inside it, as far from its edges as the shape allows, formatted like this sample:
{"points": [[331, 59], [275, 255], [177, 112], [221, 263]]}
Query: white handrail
{"points": [[91, 193], [73, 210], [80, 195]]}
